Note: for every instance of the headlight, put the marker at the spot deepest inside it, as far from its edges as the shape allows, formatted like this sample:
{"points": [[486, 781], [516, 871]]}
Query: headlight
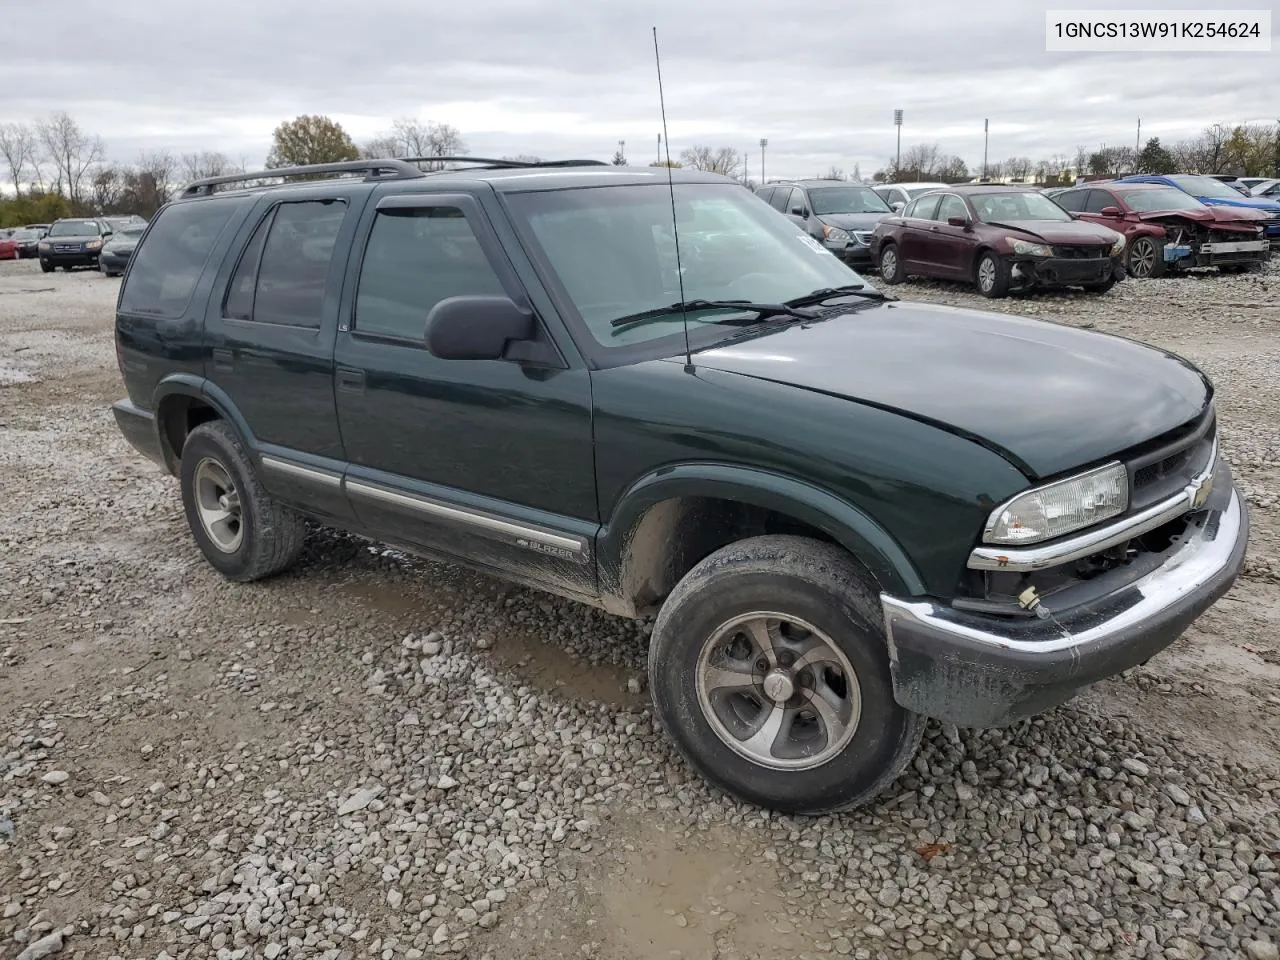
{"points": [[835, 234], [1118, 247], [42, 245], [1031, 249], [93, 245], [1057, 508]]}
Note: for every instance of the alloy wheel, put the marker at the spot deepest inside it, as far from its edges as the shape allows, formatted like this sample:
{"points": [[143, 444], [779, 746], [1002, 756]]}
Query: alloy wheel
{"points": [[1142, 258], [218, 505], [986, 274], [778, 691]]}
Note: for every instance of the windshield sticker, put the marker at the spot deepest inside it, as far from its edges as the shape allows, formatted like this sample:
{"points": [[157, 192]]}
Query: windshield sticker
{"points": [[805, 238]]}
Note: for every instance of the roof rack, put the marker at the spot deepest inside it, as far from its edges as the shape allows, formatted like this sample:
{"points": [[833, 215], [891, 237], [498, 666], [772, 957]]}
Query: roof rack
{"points": [[503, 164], [373, 170]]}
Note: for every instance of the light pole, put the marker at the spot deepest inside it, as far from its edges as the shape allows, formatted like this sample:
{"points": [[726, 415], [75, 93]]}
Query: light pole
{"points": [[764, 142], [622, 149], [659, 149], [897, 122], [985, 140]]}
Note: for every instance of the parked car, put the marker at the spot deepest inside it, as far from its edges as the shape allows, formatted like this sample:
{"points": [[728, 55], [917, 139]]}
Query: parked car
{"points": [[856, 514], [9, 246], [72, 242], [1250, 182], [898, 195], [1167, 229], [27, 241], [1266, 188], [1214, 193], [132, 220], [840, 215], [1002, 238], [115, 253]]}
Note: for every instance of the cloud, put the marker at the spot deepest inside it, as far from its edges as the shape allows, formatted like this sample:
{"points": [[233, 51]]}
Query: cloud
{"points": [[819, 80]]}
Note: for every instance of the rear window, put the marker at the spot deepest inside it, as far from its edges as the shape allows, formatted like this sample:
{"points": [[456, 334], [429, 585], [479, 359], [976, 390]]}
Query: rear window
{"points": [[169, 261]]}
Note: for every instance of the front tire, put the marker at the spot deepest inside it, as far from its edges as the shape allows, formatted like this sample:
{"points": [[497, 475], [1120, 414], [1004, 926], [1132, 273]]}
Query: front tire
{"points": [[891, 264], [1146, 258], [46, 266], [770, 672], [243, 533], [992, 275]]}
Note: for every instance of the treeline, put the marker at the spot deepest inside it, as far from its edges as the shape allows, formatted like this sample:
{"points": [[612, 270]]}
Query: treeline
{"points": [[1250, 149]]}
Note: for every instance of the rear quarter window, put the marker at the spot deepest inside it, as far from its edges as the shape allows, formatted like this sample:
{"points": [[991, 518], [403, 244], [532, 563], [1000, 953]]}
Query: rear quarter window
{"points": [[172, 256]]}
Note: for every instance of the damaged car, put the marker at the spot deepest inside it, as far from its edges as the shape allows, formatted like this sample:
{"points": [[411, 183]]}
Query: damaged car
{"points": [[1166, 229], [1003, 239]]}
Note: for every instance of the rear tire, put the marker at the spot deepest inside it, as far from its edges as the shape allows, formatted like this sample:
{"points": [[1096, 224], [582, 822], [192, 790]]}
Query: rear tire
{"points": [[243, 533], [992, 275], [891, 264], [810, 735]]}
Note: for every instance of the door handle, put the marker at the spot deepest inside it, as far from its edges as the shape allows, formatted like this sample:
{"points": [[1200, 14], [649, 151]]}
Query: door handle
{"points": [[223, 359], [935, 229], [352, 381]]}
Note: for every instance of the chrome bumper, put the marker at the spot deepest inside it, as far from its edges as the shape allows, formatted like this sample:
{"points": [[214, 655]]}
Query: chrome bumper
{"points": [[977, 670]]}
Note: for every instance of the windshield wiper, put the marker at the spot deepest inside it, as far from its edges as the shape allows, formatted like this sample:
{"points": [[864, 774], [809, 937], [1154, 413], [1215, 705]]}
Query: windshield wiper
{"points": [[829, 293], [762, 309]]}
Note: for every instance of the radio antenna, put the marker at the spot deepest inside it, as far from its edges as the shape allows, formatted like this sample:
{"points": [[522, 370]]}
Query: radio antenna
{"points": [[671, 189]]}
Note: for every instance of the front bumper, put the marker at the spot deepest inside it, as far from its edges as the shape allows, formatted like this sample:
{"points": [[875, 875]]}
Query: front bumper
{"points": [[70, 258], [984, 671], [115, 262], [851, 252], [1064, 271]]}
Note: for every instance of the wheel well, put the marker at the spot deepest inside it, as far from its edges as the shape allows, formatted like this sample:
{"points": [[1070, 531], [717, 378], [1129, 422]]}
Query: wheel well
{"points": [[179, 415], [676, 534]]}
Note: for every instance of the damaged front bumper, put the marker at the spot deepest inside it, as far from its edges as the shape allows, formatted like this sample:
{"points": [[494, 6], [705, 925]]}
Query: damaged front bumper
{"points": [[1026, 273], [978, 670]]}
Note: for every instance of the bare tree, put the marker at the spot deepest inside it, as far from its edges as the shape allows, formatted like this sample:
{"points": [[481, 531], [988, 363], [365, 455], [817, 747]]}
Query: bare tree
{"points": [[524, 158], [410, 137], [1082, 159], [833, 173], [18, 145], [106, 184], [1018, 168], [920, 162], [207, 163], [71, 151], [722, 160]]}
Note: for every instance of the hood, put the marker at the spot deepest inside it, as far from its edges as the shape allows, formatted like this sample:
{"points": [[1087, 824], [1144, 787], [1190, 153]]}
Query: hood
{"points": [[1049, 398], [1250, 203], [1053, 231], [854, 221], [1239, 215], [1200, 216]]}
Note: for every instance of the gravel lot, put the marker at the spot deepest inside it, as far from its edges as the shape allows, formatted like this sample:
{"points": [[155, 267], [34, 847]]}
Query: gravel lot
{"points": [[373, 756]]}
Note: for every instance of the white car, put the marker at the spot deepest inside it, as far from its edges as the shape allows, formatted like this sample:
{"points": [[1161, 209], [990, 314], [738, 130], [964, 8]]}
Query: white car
{"points": [[1262, 187], [898, 195]]}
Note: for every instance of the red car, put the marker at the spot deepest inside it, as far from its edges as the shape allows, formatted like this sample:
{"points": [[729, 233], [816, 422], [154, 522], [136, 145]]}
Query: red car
{"points": [[9, 248], [1166, 229], [1003, 238]]}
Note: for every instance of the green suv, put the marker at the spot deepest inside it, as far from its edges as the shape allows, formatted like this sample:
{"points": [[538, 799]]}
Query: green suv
{"points": [[847, 512]]}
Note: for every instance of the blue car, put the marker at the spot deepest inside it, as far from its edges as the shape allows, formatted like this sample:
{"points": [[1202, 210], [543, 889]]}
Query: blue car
{"points": [[1215, 193]]}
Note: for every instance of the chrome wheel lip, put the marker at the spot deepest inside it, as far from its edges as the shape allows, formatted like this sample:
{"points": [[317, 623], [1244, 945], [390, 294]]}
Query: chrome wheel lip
{"points": [[1147, 258], [218, 506], [799, 697], [986, 274]]}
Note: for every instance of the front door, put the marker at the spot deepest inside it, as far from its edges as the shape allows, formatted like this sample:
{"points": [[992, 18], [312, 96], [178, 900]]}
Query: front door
{"points": [[488, 461], [952, 248], [917, 224]]}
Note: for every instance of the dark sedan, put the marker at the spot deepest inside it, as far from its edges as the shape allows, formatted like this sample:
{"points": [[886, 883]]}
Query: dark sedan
{"points": [[75, 242], [27, 240], [116, 252], [1002, 238]]}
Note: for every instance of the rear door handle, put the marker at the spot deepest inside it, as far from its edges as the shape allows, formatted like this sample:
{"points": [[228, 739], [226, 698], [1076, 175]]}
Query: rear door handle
{"points": [[223, 359], [350, 380]]}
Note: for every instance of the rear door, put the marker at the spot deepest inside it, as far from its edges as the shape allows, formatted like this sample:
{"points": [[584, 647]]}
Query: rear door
{"points": [[271, 327], [486, 461]]}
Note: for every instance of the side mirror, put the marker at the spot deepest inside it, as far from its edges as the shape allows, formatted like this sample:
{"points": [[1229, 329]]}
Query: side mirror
{"points": [[798, 212], [1114, 213], [477, 327], [897, 206], [958, 222]]}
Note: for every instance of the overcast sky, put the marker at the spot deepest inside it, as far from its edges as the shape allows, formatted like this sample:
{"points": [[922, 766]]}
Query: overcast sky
{"points": [[820, 79]]}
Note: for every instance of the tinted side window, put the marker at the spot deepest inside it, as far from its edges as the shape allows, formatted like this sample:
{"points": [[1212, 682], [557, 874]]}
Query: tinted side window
{"points": [[239, 302], [779, 199], [295, 262], [926, 206], [169, 261], [951, 206], [1072, 200], [416, 258], [1097, 200], [765, 193]]}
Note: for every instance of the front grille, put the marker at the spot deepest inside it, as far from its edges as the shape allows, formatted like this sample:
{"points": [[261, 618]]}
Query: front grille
{"points": [[67, 247], [1161, 472], [1077, 252], [863, 237]]}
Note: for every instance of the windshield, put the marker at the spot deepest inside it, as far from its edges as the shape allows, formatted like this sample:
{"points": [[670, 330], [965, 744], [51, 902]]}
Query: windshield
{"points": [[1206, 187], [1006, 207], [74, 228], [613, 251], [130, 231], [25, 235], [1166, 198], [827, 200]]}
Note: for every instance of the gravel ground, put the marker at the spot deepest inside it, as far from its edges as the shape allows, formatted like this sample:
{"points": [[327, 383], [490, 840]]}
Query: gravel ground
{"points": [[373, 756]]}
